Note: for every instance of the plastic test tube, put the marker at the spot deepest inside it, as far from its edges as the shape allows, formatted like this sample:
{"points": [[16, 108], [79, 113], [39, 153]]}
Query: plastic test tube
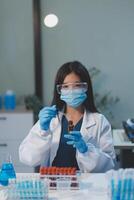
{"points": [[70, 126]]}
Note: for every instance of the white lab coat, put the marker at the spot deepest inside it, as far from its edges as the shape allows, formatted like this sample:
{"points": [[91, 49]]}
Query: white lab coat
{"points": [[40, 147]]}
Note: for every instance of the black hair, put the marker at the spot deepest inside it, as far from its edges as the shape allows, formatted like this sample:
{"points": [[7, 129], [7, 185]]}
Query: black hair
{"points": [[77, 68]]}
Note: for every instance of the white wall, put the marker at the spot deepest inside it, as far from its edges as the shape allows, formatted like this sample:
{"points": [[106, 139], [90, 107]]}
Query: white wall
{"points": [[16, 46], [97, 33]]}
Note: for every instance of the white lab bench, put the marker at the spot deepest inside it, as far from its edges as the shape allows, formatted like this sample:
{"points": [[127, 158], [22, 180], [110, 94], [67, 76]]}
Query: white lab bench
{"points": [[121, 140], [92, 186]]}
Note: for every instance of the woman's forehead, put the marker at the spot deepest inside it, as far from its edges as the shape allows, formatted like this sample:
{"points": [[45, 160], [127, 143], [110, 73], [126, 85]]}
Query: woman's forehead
{"points": [[72, 78]]}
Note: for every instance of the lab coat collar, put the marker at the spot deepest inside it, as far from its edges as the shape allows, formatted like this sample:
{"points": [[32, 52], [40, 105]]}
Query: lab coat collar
{"points": [[88, 122], [88, 119]]}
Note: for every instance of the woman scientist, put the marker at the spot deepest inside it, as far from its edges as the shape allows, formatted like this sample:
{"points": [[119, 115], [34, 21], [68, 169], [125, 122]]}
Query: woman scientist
{"points": [[89, 146]]}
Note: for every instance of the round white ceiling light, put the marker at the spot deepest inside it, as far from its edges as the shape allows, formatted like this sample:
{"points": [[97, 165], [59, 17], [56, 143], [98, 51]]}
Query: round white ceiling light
{"points": [[51, 20]]}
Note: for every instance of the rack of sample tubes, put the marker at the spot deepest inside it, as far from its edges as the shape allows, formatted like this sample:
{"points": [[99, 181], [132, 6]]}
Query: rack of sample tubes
{"points": [[121, 184], [61, 177], [26, 187]]}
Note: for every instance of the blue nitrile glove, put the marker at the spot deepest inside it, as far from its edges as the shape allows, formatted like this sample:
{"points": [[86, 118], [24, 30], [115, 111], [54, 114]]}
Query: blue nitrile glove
{"points": [[45, 116], [77, 141]]}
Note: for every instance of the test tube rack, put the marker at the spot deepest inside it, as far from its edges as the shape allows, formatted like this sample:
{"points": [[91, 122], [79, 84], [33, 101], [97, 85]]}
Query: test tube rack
{"points": [[27, 187], [61, 177]]}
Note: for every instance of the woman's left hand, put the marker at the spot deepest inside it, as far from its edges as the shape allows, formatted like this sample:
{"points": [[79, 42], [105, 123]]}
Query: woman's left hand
{"points": [[75, 139]]}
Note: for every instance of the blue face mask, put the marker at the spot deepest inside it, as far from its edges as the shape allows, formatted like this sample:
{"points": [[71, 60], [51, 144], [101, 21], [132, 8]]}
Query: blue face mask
{"points": [[73, 97]]}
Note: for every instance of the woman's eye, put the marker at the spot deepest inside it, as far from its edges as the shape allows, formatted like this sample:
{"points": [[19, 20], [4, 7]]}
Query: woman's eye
{"points": [[64, 86], [77, 86]]}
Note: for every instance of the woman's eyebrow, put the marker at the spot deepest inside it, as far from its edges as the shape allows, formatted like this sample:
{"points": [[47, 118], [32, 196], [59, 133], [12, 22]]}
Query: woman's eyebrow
{"points": [[71, 82]]}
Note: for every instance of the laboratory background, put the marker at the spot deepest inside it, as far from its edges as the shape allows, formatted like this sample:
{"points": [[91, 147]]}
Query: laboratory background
{"points": [[98, 33]]}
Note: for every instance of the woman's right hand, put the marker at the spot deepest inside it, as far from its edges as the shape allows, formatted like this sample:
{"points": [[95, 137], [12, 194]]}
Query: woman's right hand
{"points": [[45, 116]]}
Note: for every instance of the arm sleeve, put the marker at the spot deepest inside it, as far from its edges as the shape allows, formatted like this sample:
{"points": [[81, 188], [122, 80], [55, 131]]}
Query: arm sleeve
{"points": [[99, 158], [35, 148]]}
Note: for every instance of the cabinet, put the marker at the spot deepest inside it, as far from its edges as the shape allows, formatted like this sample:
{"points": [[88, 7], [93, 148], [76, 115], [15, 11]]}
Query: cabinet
{"points": [[14, 127]]}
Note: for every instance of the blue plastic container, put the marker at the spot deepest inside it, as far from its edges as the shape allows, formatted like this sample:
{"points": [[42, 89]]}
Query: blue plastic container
{"points": [[0, 102], [10, 100]]}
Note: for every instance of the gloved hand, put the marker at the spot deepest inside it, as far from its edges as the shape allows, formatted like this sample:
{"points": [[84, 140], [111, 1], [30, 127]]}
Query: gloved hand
{"points": [[45, 116], [77, 141]]}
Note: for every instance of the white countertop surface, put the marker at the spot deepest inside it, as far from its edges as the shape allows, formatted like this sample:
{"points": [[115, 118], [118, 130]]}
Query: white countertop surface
{"points": [[121, 140], [93, 186]]}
